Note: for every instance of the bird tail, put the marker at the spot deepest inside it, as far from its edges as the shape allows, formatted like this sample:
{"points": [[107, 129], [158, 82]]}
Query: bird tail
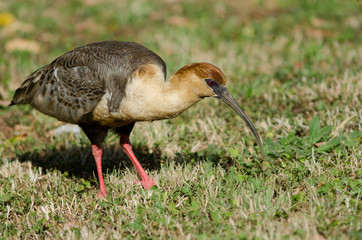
{"points": [[28, 88]]}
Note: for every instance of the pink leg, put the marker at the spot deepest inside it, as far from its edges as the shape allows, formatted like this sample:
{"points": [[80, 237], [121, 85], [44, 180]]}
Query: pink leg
{"points": [[97, 154], [146, 182]]}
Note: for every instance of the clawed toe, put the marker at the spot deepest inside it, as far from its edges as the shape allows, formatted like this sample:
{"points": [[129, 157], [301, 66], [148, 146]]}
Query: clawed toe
{"points": [[102, 194], [146, 183]]}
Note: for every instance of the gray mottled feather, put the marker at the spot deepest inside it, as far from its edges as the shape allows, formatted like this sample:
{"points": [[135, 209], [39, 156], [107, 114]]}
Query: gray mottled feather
{"points": [[73, 84]]}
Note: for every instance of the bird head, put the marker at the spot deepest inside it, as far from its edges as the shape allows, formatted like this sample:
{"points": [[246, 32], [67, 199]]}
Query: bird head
{"points": [[210, 81]]}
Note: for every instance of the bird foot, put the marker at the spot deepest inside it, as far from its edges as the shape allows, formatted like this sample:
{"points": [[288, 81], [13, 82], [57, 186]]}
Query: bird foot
{"points": [[146, 183], [102, 194]]}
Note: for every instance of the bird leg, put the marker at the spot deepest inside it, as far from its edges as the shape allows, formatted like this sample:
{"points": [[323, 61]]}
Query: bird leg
{"points": [[97, 154], [146, 182]]}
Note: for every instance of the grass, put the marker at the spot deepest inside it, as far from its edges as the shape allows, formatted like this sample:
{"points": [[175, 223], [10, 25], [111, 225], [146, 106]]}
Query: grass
{"points": [[295, 68]]}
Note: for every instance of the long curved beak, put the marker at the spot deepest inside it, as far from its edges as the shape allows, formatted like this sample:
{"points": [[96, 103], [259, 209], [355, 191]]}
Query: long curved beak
{"points": [[224, 94]]}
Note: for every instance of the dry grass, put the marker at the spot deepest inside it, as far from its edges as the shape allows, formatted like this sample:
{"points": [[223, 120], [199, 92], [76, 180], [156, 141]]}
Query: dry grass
{"points": [[286, 62]]}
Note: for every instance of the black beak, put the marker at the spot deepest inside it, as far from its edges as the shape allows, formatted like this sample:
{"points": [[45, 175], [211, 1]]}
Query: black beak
{"points": [[224, 94]]}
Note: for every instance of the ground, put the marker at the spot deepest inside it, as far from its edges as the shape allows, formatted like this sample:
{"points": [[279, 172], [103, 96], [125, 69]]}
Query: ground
{"points": [[293, 66]]}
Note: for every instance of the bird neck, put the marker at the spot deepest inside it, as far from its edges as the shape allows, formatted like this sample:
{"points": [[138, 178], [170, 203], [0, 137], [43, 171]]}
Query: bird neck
{"points": [[151, 98], [180, 93]]}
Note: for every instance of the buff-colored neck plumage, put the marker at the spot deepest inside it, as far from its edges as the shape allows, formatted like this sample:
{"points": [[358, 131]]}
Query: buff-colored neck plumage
{"points": [[150, 98]]}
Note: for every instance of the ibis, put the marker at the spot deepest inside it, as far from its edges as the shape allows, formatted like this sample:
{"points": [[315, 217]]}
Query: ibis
{"points": [[111, 85]]}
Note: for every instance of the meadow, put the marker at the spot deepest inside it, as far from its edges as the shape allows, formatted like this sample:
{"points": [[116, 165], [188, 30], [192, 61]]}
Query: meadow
{"points": [[295, 67]]}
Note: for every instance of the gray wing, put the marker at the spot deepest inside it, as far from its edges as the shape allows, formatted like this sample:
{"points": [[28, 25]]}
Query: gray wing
{"points": [[73, 84], [66, 89]]}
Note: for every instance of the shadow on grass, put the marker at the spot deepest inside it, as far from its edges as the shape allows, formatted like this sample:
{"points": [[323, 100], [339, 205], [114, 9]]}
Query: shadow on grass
{"points": [[78, 161]]}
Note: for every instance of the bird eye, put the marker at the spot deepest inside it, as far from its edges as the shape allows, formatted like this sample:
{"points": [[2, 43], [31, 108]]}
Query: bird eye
{"points": [[210, 82]]}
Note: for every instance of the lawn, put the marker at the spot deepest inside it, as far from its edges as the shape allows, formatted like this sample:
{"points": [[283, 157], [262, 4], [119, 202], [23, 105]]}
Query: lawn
{"points": [[295, 67]]}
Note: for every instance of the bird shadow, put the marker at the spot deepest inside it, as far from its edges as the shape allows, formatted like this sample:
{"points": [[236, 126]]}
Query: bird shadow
{"points": [[78, 161]]}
